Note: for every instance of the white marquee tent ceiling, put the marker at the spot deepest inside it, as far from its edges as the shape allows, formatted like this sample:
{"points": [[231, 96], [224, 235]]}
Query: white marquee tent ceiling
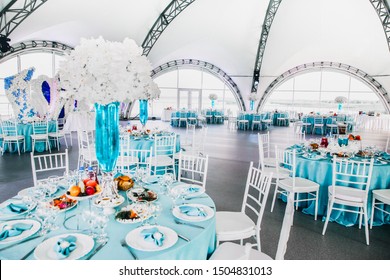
{"points": [[226, 33]]}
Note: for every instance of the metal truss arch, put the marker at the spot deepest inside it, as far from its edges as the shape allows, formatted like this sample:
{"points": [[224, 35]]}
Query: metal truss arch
{"points": [[383, 10], [269, 17], [35, 45], [13, 14], [166, 17], [335, 66], [211, 68]]}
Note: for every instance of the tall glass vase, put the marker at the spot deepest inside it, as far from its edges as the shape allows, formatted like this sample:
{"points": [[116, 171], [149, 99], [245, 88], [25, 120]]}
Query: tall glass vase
{"points": [[143, 111], [212, 103], [107, 144], [252, 105]]}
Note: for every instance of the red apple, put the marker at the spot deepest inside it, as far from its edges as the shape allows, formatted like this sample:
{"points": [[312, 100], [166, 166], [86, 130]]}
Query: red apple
{"points": [[90, 190], [91, 183]]}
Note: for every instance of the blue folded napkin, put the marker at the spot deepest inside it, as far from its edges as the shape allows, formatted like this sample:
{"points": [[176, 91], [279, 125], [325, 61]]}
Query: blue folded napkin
{"points": [[16, 208], [153, 235], [192, 211], [13, 230], [386, 156], [193, 189], [65, 246]]}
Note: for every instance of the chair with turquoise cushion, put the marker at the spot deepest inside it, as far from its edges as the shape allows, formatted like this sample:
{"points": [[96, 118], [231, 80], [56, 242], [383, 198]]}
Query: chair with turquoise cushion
{"points": [[183, 118], [209, 117], [282, 119], [218, 117], [192, 118]]}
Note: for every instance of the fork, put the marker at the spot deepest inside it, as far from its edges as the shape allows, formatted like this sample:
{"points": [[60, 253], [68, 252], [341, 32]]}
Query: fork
{"points": [[124, 244], [187, 224]]}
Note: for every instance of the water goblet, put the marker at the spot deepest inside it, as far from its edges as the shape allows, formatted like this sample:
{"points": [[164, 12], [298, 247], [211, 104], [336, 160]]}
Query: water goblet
{"points": [[174, 194], [156, 211], [100, 226], [89, 217], [42, 214]]}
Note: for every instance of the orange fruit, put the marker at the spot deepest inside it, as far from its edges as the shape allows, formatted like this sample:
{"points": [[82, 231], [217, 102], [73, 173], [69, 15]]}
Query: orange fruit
{"points": [[74, 190]]}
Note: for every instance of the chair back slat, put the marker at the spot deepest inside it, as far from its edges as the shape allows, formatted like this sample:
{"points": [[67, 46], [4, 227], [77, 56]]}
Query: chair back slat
{"points": [[350, 173], [49, 162], [193, 169]]}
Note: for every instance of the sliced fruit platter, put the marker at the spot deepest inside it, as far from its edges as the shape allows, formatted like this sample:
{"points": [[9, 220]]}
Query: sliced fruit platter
{"points": [[85, 189], [63, 202], [141, 194]]}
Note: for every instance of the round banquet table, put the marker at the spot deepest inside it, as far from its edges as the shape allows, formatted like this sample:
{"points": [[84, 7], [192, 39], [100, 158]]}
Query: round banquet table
{"points": [[320, 171], [146, 142], [201, 245], [26, 130]]}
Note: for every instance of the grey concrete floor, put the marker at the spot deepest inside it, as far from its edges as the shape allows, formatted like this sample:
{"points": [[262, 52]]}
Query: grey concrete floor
{"points": [[230, 153]]}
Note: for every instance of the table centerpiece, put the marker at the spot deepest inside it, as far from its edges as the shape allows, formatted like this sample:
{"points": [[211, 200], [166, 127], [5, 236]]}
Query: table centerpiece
{"points": [[106, 73]]}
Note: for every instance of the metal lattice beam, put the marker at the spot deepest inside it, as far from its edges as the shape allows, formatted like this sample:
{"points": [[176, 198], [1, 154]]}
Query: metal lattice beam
{"points": [[12, 15], [166, 17], [34, 45], [269, 17], [382, 9], [344, 68], [211, 68]]}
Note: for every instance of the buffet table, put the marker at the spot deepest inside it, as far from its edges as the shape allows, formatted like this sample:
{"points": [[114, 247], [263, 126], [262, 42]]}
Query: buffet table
{"points": [[199, 246]]}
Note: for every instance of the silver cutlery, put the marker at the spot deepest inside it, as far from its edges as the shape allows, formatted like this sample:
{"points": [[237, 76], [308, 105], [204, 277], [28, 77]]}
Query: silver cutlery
{"points": [[184, 238], [97, 250], [194, 197], [32, 250], [187, 224], [23, 241], [123, 243]]}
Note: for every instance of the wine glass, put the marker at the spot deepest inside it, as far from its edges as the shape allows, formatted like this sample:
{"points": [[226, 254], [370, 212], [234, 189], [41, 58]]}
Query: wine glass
{"points": [[43, 214], [100, 226], [156, 211], [174, 194], [89, 217]]}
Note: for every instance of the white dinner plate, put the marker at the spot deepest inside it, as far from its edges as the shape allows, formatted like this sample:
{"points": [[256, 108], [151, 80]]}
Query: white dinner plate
{"points": [[25, 234], [313, 157], [107, 202], [184, 190], [6, 215], [182, 216], [135, 239], [45, 250], [83, 197]]}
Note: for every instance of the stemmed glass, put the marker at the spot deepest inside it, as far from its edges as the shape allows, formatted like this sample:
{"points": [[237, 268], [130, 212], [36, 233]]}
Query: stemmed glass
{"points": [[100, 226], [174, 194], [47, 216], [89, 217], [166, 182], [156, 209]]}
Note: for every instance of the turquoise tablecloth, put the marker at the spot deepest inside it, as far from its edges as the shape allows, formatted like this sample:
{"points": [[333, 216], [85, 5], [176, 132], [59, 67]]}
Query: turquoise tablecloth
{"points": [[341, 118], [281, 115], [145, 143], [202, 241], [26, 130], [250, 117], [182, 114], [320, 171]]}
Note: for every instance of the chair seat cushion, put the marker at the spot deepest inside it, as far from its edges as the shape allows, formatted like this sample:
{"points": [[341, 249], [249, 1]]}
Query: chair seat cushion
{"points": [[347, 194], [233, 225], [57, 134], [382, 195], [301, 185], [282, 174], [233, 251]]}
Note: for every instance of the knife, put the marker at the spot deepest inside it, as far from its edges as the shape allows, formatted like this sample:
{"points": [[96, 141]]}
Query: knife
{"points": [[32, 250], [25, 240], [184, 238], [194, 197], [97, 250]]}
